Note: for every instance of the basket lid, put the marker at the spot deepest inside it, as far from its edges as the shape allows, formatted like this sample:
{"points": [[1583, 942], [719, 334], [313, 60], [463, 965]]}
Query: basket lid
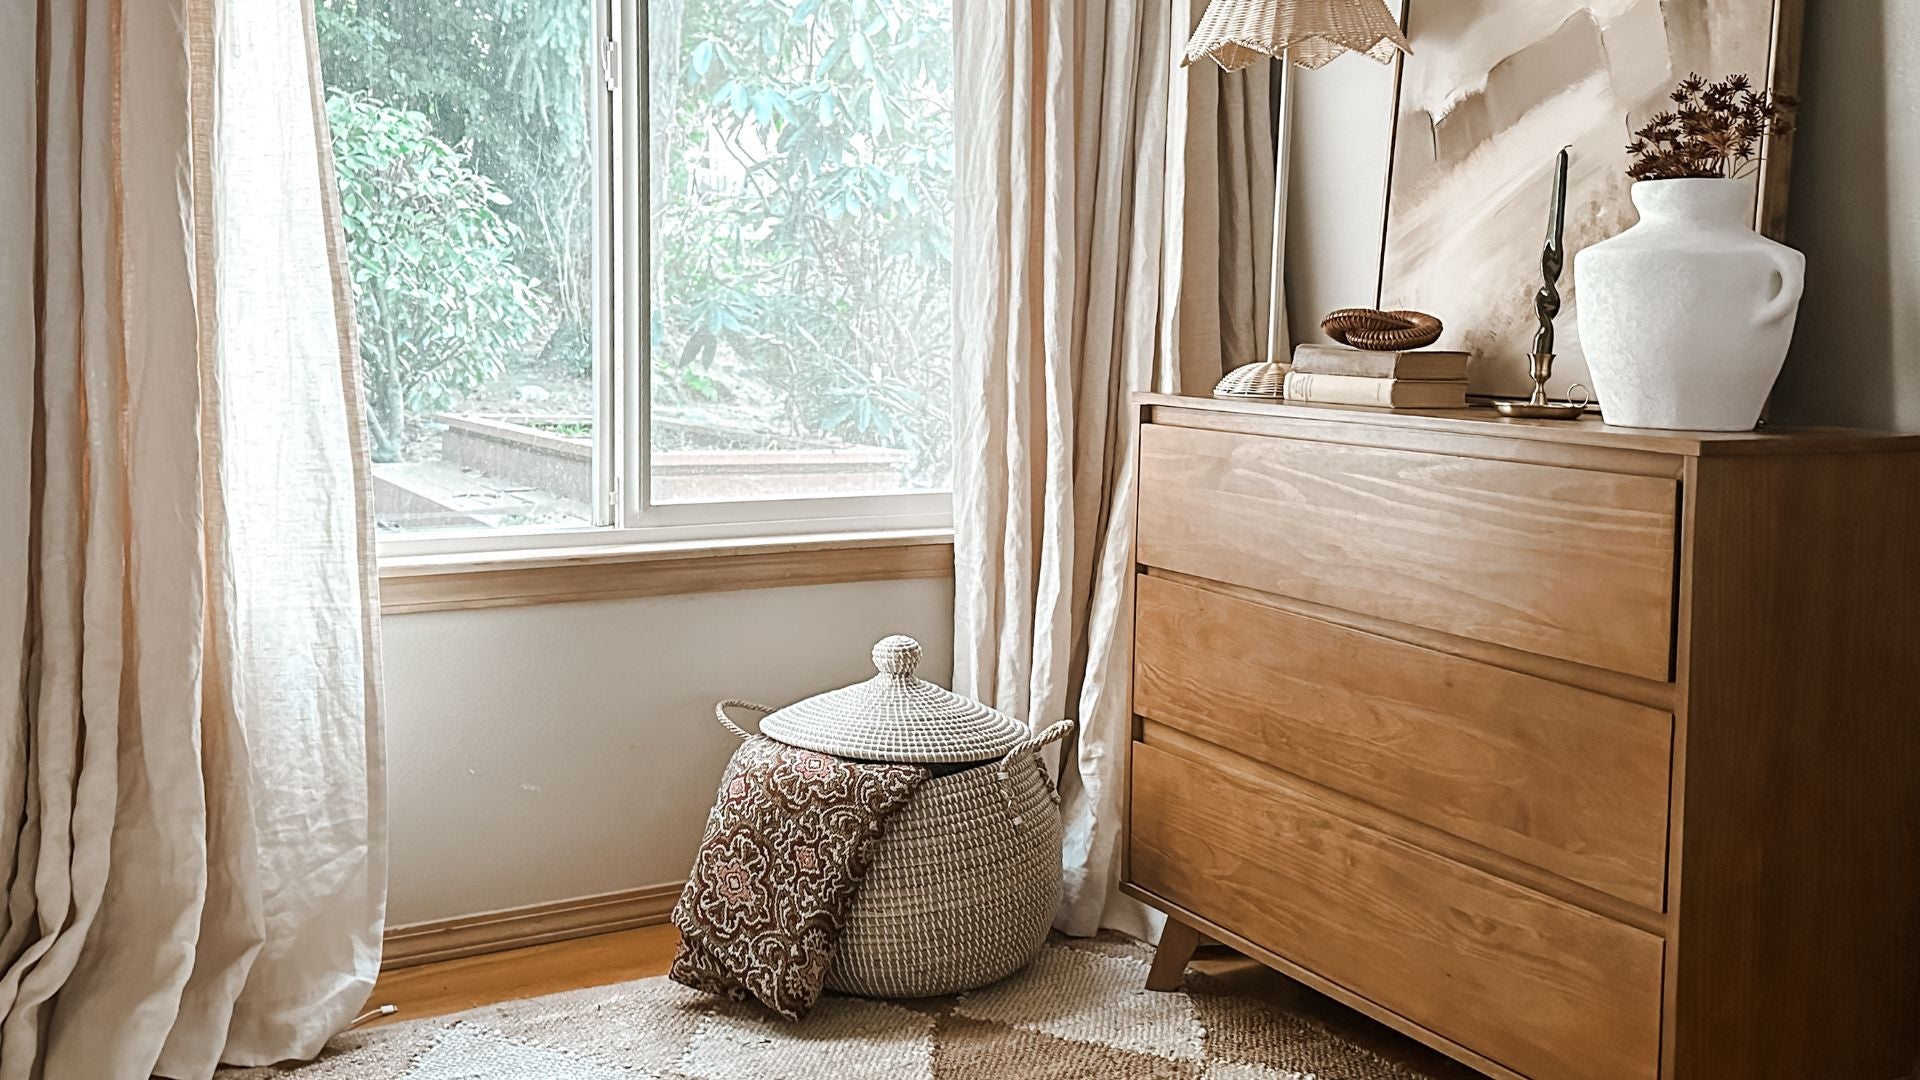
{"points": [[896, 717]]}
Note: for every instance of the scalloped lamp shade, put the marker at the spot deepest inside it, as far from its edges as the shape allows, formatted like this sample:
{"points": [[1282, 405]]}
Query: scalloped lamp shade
{"points": [[1309, 33], [1264, 380]]}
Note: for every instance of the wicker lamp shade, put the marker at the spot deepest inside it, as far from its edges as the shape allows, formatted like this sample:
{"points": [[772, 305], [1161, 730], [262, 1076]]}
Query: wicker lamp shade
{"points": [[1309, 33], [1263, 380]]}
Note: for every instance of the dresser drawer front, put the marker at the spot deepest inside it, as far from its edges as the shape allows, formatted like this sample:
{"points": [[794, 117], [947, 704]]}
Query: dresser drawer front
{"points": [[1570, 781], [1544, 988], [1562, 562]]}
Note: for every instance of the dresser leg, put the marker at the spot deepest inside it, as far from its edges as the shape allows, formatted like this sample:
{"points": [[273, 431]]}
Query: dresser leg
{"points": [[1177, 943]]}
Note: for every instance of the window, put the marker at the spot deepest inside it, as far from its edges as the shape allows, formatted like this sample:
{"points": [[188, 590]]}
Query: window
{"points": [[711, 300]]}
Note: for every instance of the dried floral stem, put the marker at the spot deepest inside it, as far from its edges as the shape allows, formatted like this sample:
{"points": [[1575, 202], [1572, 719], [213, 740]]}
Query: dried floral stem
{"points": [[1714, 130]]}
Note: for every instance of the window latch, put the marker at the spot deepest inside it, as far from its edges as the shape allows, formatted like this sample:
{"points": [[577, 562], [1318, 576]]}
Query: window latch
{"points": [[610, 63]]}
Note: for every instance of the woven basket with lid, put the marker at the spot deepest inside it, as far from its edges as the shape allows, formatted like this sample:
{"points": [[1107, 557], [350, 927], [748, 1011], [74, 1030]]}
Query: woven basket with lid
{"points": [[963, 885]]}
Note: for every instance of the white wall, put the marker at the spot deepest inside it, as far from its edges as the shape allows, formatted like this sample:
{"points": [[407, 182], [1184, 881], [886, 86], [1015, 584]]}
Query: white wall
{"points": [[1336, 197], [542, 753], [1854, 209]]}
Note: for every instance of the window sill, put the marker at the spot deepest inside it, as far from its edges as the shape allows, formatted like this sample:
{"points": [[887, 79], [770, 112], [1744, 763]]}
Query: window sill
{"points": [[415, 583]]}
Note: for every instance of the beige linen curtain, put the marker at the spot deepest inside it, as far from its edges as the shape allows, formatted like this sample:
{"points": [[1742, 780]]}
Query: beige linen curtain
{"points": [[192, 832], [1112, 231]]}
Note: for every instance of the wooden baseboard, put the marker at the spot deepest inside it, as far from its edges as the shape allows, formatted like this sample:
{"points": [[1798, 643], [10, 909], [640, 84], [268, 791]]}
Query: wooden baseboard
{"points": [[538, 924]]}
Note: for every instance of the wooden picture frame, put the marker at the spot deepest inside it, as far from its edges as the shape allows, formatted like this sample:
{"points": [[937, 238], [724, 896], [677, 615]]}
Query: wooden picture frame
{"points": [[1460, 232]]}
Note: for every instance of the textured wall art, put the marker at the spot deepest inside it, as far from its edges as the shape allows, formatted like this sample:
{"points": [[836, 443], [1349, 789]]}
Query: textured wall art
{"points": [[1493, 90]]}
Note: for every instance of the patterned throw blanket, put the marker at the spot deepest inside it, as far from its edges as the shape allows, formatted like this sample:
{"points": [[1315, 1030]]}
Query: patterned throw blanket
{"points": [[786, 845]]}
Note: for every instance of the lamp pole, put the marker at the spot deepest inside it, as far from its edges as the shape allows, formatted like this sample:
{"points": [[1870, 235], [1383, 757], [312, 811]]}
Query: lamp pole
{"points": [[1279, 343]]}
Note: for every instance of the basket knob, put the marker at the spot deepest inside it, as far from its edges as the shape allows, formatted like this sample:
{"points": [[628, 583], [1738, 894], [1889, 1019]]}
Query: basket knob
{"points": [[896, 655]]}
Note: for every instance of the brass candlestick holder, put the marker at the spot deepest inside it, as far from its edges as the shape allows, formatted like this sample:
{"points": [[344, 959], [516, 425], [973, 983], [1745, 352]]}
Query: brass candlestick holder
{"points": [[1546, 304], [1539, 407]]}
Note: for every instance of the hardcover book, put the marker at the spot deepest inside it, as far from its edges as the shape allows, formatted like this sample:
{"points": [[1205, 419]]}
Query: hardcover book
{"points": [[1423, 364], [1390, 393]]}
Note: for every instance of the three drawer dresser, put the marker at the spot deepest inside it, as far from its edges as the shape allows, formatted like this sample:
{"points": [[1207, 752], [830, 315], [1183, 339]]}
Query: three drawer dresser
{"points": [[1575, 752]]}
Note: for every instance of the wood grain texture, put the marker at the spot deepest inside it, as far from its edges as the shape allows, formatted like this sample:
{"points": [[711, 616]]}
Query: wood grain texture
{"points": [[1334, 994], [1544, 988], [1796, 950], [1387, 823], [1655, 695], [536, 924], [566, 575], [1571, 564], [1178, 943], [1482, 422], [1565, 779], [1492, 444]]}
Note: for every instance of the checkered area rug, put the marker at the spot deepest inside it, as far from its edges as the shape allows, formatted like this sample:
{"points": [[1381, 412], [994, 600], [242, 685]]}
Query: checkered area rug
{"points": [[1079, 1011]]}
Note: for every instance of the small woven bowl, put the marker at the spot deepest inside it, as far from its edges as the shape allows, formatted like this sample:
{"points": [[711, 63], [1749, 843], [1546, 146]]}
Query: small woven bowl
{"points": [[1382, 331]]}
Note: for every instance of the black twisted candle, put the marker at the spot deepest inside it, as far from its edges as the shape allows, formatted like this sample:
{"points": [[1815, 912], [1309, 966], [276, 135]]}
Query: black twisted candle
{"points": [[1553, 257]]}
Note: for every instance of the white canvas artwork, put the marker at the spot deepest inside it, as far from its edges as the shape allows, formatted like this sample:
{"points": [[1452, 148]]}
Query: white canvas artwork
{"points": [[1493, 90]]}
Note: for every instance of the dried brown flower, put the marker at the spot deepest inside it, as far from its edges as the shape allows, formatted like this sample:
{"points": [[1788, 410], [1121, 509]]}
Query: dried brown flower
{"points": [[1715, 130]]}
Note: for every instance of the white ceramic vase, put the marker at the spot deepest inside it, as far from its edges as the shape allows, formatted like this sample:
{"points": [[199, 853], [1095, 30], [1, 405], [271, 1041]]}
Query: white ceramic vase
{"points": [[1685, 318]]}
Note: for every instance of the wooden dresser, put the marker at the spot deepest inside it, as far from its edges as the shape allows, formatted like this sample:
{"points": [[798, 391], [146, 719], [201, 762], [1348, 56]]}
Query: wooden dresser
{"points": [[1576, 752]]}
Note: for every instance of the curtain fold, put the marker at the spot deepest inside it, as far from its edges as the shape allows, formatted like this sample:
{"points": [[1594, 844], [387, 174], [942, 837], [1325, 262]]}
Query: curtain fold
{"points": [[1112, 228], [192, 820]]}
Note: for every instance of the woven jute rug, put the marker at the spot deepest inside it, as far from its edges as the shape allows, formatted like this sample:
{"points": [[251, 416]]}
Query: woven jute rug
{"points": [[1079, 1011]]}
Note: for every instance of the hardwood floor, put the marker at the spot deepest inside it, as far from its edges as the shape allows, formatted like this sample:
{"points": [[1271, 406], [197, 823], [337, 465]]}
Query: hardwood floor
{"points": [[453, 985]]}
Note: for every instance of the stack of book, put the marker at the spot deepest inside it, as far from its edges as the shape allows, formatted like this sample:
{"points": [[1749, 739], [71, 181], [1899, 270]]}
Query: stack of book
{"points": [[1340, 375]]}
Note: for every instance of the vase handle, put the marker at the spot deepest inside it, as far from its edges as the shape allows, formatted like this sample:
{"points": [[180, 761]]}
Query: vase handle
{"points": [[1792, 268]]}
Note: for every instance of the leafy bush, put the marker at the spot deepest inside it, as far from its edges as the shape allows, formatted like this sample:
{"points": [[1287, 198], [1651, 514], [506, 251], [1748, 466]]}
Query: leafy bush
{"points": [[802, 226], [508, 81], [801, 165], [442, 305]]}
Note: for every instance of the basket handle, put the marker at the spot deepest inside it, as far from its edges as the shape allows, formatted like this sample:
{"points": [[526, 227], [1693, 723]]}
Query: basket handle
{"points": [[720, 714], [1051, 734]]}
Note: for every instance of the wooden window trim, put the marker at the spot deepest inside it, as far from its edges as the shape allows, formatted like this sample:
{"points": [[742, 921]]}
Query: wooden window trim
{"points": [[416, 583]]}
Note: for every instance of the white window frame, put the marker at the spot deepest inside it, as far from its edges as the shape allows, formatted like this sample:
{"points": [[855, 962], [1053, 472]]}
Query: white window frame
{"points": [[624, 511]]}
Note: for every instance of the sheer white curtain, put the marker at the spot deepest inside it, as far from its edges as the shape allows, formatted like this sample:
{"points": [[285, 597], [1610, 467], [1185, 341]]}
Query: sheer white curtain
{"points": [[192, 824], [1112, 235]]}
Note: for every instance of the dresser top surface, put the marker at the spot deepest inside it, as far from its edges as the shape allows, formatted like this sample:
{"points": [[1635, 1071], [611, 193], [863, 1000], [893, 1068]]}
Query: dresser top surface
{"points": [[1480, 419]]}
